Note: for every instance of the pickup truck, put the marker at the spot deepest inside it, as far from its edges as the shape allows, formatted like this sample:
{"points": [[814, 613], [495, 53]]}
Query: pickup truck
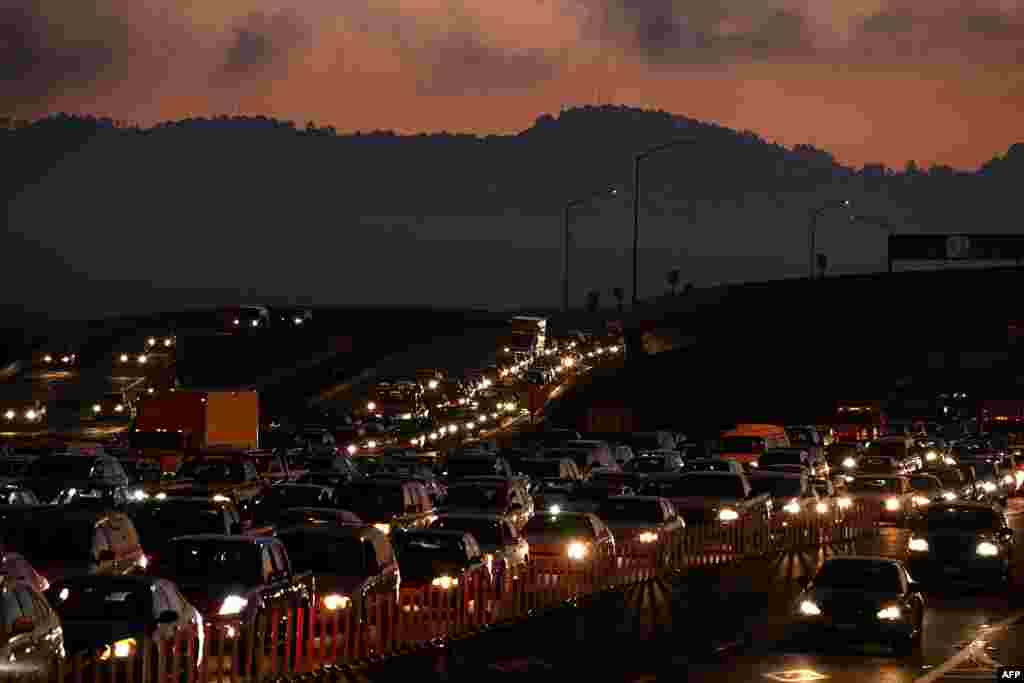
{"points": [[722, 498], [232, 580]]}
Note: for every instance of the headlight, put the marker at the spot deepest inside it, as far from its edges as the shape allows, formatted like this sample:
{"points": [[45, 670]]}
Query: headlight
{"points": [[648, 537], [220, 498], [849, 463], [120, 650], [335, 601], [351, 449], [445, 582], [891, 613], [371, 406], [792, 507], [893, 504], [918, 545], [809, 609], [949, 495], [383, 528], [576, 550], [988, 487], [931, 455], [921, 500], [139, 494], [987, 549], [728, 515], [822, 508], [554, 509], [233, 604]]}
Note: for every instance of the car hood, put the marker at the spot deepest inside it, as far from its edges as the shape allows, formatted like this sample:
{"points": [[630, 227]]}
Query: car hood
{"points": [[86, 637]]}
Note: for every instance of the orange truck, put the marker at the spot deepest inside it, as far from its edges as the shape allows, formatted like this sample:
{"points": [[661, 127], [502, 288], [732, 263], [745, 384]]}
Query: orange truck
{"points": [[178, 422], [747, 442]]}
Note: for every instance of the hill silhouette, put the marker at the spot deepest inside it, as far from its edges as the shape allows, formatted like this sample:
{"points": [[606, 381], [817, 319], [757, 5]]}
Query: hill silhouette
{"points": [[95, 200]]}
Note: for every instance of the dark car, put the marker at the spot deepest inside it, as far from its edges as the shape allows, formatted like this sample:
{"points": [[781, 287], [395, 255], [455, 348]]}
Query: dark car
{"points": [[108, 618], [867, 598], [351, 564], [268, 506], [961, 541], [441, 559], [48, 476], [158, 521], [31, 637]]}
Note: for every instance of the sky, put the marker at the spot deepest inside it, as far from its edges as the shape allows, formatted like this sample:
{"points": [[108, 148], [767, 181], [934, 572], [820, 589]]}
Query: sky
{"points": [[936, 81]]}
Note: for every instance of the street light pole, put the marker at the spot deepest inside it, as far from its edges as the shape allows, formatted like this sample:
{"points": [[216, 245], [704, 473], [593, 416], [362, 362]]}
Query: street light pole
{"points": [[636, 207], [607, 192], [812, 230]]}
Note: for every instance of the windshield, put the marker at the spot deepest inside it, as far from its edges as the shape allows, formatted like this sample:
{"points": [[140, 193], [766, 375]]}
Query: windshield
{"points": [[741, 444], [296, 496], [423, 551], [540, 468], [649, 511], [324, 554], [560, 525], [645, 465], [62, 468], [158, 524], [771, 459], [959, 519], [486, 532], [213, 471], [710, 486], [777, 487], [866, 485], [925, 484], [865, 576], [374, 502], [56, 540], [477, 497], [207, 561], [110, 603]]}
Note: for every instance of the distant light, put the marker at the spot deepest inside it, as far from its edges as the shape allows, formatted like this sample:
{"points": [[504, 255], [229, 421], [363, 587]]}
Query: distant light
{"points": [[298, 321], [150, 390], [142, 359], [65, 359], [151, 341], [10, 414], [236, 321], [119, 408], [168, 341], [31, 414], [255, 323], [47, 358], [124, 357], [96, 408]]}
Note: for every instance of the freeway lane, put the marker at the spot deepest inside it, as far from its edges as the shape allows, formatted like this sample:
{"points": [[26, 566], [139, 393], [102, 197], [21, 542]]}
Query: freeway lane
{"points": [[954, 619]]}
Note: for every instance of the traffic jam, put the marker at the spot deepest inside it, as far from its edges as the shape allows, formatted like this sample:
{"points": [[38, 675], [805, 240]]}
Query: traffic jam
{"points": [[433, 503]]}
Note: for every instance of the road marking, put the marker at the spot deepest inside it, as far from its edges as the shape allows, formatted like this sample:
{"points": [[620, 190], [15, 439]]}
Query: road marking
{"points": [[971, 650]]}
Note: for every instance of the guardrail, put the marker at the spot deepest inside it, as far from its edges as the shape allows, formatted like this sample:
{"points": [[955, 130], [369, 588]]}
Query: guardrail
{"points": [[287, 643]]}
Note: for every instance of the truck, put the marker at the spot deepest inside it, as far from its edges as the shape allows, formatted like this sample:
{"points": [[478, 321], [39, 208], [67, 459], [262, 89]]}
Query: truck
{"points": [[717, 499], [173, 423]]}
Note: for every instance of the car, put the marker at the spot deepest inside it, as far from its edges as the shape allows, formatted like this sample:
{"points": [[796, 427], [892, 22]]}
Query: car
{"points": [[890, 496], [961, 540], [638, 522], [440, 558], [494, 497], [132, 611], [557, 538], [955, 486], [927, 489], [387, 504], [588, 496], [862, 597], [505, 549], [32, 641], [712, 465], [795, 457], [269, 504], [158, 521], [352, 564], [791, 494]]}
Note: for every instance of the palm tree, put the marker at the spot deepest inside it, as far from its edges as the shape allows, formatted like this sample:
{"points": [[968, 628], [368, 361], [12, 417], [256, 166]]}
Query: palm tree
{"points": [[620, 294], [672, 278], [593, 300]]}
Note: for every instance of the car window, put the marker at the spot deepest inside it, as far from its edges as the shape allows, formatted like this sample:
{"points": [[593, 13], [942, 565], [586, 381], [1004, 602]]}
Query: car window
{"points": [[9, 608]]}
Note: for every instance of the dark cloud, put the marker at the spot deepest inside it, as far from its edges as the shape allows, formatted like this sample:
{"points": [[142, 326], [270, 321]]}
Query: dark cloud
{"points": [[676, 32], [262, 45], [40, 57], [462, 63]]}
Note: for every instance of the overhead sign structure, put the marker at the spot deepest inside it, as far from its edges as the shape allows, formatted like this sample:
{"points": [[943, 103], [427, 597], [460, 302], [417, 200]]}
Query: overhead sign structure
{"points": [[942, 251]]}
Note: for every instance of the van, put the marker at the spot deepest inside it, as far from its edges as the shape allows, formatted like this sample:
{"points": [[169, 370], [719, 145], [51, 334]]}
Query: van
{"points": [[748, 442]]}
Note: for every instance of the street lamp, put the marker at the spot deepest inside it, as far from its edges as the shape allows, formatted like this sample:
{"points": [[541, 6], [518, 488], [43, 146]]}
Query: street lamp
{"points": [[636, 205], [606, 192], [812, 229]]}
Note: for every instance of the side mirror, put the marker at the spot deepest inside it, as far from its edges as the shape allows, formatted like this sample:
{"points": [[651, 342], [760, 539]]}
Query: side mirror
{"points": [[167, 617], [106, 555], [803, 582], [22, 625]]}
